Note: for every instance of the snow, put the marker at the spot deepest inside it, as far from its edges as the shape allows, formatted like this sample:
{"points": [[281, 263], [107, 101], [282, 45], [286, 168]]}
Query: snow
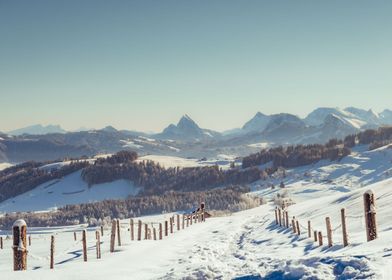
{"points": [[261, 145], [69, 190], [246, 244], [170, 161], [221, 160], [5, 165], [130, 144]]}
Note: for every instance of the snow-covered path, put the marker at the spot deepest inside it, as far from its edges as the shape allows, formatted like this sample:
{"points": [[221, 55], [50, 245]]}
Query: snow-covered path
{"points": [[247, 243]]}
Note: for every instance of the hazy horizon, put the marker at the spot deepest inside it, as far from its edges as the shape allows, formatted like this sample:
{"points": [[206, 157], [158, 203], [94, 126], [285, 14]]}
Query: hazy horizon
{"points": [[141, 65], [82, 127]]}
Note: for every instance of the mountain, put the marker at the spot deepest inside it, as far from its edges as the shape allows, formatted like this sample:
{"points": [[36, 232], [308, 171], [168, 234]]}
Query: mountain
{"points": [[109, 128], [37, 129], [334, 126], [283, 127], [257, 124], [186, 130], [386, 117], [369, 117]]}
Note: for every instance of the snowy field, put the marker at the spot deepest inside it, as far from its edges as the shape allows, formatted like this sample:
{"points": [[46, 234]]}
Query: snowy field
{"points": [[247, 244]]}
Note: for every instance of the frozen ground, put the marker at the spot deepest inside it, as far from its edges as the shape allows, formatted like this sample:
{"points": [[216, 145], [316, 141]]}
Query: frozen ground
{"points": [[247, 244]]}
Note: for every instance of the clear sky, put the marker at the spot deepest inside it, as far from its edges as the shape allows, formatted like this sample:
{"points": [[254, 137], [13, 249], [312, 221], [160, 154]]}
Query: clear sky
{"points": [[142, 64]]}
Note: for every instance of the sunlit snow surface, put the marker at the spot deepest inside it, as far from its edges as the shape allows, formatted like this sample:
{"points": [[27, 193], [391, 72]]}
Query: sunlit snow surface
{"points": [[247, 244]]}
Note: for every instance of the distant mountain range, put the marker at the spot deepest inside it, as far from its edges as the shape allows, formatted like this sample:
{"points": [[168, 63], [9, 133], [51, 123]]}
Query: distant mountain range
{"points": [[187, 139]]}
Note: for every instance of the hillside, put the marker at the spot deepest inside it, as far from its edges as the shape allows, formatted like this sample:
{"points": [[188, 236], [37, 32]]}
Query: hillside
{"points": [[247, 243]]}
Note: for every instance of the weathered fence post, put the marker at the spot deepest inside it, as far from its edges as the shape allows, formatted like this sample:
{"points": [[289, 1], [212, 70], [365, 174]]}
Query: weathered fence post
{"points": [[52, 252], [84, 241], [74, 236], [102, 230], [19, 230], [276, 216], [118, 232], [183, 221], [293, 224], [187, 220], [309, 230], [29, 240], [315, 235], [287, 219], [139, 230], [166, 228], [298, 229], [280, 217], [329, 231], [132, 230], [178, 222], [145, 231], [154, 232], [370, 215], [171, 224], [191, 218], [1, 242], [113, 236], [160, 231], [98, 244], [320, 238], [344, 228]]}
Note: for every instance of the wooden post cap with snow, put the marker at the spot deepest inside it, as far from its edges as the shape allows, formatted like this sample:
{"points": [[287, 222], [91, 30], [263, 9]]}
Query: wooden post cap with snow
{"points": [[19, 230], [370, 215]]}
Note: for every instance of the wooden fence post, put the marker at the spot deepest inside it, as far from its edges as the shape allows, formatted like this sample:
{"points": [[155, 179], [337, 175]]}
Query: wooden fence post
{"points": [[370, 215], [74, 236], [276, 216], [145, 231], [84, 240], [132, 230], [29, 240], [166, 228], [329, 231], [298, 229], [309, 230], [19, 230], [344, 227], [118, 232], [98, 244], [139, 230], [287, 219], [315, 236], [183, 221], [1, 242], [113, 236], [52, 252], [102, 230], [178, 222], [293, 224], [160, 231], [320, 238], [187, 220], [280, 217], [154, 232], [171, 224], [191, 218]]}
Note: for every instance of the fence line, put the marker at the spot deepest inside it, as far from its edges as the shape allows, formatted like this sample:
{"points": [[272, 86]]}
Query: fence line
{"points": [[369, 216]]}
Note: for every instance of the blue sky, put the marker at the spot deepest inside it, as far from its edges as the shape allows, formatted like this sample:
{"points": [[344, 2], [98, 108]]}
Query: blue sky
{"points": [[142, 64]]}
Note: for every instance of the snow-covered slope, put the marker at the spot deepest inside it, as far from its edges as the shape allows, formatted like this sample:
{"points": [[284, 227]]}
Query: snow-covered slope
{"points": [[4, 165], [69, 190], [247, 244]]}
